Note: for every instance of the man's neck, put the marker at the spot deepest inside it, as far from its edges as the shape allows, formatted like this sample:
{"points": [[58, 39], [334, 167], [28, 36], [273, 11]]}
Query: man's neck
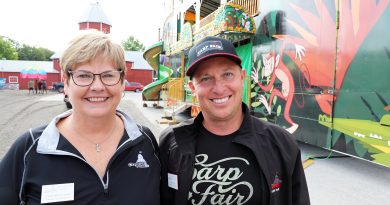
{"points": [[223, 127]]}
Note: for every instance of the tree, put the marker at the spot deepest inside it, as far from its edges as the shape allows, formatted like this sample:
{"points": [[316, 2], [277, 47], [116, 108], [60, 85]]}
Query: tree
{"points": [[132, 44], [27, 52], [12, 50], [7, 49], [48, 53]]}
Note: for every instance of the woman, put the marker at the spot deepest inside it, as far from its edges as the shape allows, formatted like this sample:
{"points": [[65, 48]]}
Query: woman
{"points": [[93, 154]]}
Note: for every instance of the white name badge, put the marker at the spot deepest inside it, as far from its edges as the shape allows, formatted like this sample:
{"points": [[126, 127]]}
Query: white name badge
{"points": [[172, 181], [57, 193]]}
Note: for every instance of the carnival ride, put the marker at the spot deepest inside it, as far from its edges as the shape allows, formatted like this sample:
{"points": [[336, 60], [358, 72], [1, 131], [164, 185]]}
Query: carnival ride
{"points": [[315, 68]]}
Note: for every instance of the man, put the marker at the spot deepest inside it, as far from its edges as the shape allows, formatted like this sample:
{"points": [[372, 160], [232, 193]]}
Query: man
{"points": [[30, 86], [36, 86], [225, 155]]}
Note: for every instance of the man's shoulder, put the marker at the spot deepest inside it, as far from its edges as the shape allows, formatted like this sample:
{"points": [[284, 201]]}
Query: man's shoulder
{"points": [[262, 125], [168, 133], [272, 131]]}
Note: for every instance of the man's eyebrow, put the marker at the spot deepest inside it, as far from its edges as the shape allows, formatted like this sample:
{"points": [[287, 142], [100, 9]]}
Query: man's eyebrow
{"points": [[203, 75]]}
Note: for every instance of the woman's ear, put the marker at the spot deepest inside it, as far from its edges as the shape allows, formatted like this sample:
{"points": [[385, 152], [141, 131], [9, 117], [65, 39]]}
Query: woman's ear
{"points": [[66, 84]]}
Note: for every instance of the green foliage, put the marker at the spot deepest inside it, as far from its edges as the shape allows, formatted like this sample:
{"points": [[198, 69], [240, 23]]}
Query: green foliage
{"points": [[256, 104], [27, 52], [48, 53], [12, 50], [7, 49], [278, 110], [253, 94], [274, 101], [132, 44]]}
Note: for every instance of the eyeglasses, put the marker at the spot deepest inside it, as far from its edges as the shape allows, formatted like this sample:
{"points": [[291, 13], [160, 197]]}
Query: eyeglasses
{"points": [[86, 78]]}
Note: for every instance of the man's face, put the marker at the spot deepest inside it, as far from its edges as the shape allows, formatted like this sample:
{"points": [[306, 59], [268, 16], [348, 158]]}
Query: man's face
{"points": [[218, 84]]}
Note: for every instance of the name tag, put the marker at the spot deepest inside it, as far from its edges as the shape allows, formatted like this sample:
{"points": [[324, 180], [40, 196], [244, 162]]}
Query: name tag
{"points": [[172, 181], [57, 193]]}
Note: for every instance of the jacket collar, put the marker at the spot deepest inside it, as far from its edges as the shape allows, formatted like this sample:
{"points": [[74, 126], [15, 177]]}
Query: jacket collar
{"points": [[48, 141], [189, 130]]}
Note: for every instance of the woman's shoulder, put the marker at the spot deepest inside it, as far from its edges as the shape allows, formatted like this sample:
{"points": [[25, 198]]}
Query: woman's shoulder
{"points": [[31, 136], [24, 143]]}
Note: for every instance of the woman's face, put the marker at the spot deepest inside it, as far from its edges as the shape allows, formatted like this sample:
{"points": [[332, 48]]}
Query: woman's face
{"points": [[97, 99]]}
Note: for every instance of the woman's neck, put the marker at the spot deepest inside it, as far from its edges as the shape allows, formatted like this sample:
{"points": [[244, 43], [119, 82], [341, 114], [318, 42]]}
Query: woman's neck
{"points": [[92, 128]]}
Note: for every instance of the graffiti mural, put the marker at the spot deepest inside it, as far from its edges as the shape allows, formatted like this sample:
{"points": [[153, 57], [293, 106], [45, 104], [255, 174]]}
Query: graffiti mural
{"points": [[319, 71]]}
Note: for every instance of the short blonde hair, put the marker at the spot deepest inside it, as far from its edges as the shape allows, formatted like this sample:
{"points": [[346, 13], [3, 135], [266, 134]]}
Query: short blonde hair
{"points": [[87, 47]]}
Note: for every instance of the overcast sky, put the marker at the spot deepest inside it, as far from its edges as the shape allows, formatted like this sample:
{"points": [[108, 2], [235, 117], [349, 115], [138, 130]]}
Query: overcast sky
{"points": [[53, 23]]}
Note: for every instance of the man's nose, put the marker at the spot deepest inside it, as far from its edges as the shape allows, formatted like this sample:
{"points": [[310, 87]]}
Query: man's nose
{"points": [[219, 86]]}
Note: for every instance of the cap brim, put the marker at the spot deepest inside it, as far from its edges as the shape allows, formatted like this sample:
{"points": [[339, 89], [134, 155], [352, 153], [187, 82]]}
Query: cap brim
{"points": [[191, 69]]}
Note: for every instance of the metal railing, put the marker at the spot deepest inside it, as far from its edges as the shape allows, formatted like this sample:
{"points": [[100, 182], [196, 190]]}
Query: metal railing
{"points": [[174, 93], [252, 6], [208, 19]]}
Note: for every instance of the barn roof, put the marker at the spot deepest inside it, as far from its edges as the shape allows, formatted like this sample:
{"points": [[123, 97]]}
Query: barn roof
{"points": [[94, 13], [137, 58], [19, 65]]}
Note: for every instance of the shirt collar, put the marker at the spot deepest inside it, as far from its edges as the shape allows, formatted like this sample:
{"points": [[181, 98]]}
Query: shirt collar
{"points": [[48, 141]]}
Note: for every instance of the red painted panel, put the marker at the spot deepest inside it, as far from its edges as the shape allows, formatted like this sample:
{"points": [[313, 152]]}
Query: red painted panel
{"points": [[23, 82], [142, 76], [137, 75], [94, 25]]}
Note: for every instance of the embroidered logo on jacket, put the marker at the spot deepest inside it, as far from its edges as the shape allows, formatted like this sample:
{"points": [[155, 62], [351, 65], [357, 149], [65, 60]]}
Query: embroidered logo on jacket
{"points": [[275, 186], [140, 163]]}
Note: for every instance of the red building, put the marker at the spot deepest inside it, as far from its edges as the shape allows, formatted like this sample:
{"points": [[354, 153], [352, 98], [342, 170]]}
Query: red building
{"points": [[95, 18], [11, 71], [138, 70]]}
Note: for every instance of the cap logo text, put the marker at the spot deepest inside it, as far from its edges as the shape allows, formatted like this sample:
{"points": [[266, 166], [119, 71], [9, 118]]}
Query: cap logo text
{"points": [[207, 46]]}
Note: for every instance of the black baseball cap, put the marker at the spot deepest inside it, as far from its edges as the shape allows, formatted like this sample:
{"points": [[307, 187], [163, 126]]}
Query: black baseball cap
{"points": [[209, 47]]}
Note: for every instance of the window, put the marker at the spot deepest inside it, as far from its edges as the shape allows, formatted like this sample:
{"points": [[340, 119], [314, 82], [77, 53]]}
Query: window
{"points": [[13, 79]]}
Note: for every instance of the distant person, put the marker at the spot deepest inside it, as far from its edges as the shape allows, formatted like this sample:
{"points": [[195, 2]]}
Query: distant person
{"points": [[225, 155], [31, 86], [39, 86], [44, 87], [92, 154], [36, 86]]}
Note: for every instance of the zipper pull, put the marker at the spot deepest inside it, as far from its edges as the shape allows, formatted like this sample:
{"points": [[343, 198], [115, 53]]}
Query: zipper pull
{"points": [[105, 191]]}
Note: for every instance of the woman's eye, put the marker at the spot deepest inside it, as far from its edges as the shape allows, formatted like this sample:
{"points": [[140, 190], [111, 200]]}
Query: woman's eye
{"points": [[84, 76], [107, 75]]}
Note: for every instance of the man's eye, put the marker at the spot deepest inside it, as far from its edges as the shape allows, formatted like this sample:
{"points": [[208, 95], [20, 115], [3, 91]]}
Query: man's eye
{"points": [[228, 75], [205, 79]]}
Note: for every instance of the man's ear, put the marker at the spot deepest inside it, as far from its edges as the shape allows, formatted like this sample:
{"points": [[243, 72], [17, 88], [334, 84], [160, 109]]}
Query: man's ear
{"points": [[191, 85], [243, 73]]}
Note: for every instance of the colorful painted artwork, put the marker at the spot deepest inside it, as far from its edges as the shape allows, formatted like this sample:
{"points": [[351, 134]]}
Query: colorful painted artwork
{"points": [[320, 71], [230, 17]]}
